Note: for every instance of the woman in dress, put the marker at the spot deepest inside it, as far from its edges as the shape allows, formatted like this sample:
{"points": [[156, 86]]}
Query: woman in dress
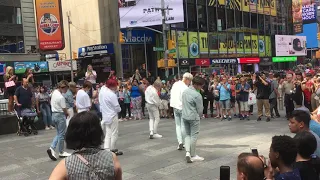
{"points": [[10, 84], [43, 107], [89, 161], [136, 100], [91, 75]]}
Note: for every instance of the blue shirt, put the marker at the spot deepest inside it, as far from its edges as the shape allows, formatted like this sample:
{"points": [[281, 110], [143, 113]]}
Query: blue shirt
{"points": [[135, 92], [243, 95], [126, 96], [69, 99], [293, 175], [315, 127], [224, 93]]}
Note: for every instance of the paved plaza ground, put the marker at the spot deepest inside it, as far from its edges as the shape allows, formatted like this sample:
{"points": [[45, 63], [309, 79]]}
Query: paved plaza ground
{"points": [[219, 143]]}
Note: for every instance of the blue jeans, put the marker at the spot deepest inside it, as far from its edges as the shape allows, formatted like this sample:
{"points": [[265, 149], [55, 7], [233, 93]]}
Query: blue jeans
{"points": [[59, 120], [46, 114], [179, 125], [191, 129]]}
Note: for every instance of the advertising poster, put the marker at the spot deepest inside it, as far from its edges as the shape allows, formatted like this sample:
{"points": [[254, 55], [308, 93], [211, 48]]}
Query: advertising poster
{"points": [[37, 67], [135, 13], [310, 31], [182, 39], [287, 45], [49, 24], [56, 66], [193, 45], [297, 16], [262, 7], [309, 11]]}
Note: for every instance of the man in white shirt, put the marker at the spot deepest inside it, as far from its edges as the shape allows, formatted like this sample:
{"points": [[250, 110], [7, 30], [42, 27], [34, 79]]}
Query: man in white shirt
{"points": [[153, 102], [110, 108], [176, 102], [83, 101], [59, 114]]}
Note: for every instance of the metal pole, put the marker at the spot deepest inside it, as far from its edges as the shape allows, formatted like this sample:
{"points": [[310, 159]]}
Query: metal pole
{"points": [[177, 49], [70, 48], [145, 54], [164, 36]]}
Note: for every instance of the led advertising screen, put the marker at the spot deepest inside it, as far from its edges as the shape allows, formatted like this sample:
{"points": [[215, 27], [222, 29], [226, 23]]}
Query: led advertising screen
{"points": [[310, 31], [287, 45], [135, 13]]}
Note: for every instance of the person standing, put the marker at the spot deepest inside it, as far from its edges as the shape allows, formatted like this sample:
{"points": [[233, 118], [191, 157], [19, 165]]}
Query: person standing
{"points": [[127, 101], [43, 107], [136, 100], [288, 87], [225, 95], [83, 102], [59, 114], [110, 108], [91, 75], [273, 98], [243, 90], [191, 113], [176, 103], [136, 76], [164, 97], [29, 76], [153, 103], [263, 93], [10, 87], [70, 96], [307, 88]]}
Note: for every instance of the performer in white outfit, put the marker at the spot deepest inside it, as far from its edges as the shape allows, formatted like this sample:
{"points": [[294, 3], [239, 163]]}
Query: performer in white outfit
{"points": [[153, 102], [176, 102], [83, 102], [110, 108]]}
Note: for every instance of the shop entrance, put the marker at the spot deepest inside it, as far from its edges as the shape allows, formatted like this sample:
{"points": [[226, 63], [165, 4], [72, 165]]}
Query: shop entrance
{"points": [[247, 68]]}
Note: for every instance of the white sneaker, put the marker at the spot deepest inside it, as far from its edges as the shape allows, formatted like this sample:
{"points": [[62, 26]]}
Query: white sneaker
{"points": [[157, 136], [52, 154], [151, 135], [47, 128], [64, 154], [188, 158], [120, 120], [51, 127], [197, 158]]}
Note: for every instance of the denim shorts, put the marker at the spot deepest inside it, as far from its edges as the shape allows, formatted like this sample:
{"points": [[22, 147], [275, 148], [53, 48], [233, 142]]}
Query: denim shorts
{"points": [[225, 104]]}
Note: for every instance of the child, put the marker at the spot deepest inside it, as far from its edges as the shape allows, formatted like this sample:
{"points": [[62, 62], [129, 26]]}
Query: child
{"points": [[122, 113], [127, 102]]}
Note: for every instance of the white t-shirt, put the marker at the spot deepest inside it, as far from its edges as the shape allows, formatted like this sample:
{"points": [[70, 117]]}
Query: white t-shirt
{"points": [[109, 105], [58, 102], [83, 102], [92, 77], [176, 94]]}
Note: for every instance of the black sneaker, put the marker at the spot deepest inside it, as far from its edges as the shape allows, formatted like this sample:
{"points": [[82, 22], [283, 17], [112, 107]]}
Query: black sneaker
{"points": [[52, 154], [259, 119], [229, 118], [268, 119], [278, 116], [180, 147], [241, 118], [248, 118]]}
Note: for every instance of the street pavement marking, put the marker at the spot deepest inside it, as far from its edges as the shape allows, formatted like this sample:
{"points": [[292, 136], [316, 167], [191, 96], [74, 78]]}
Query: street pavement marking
{"points": [[32, 161], [10, 167], [16, 176]]}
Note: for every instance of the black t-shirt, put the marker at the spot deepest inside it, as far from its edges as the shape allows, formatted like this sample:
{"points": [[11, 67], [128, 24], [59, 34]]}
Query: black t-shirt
{"points": [[309, 170], [24, 97], [263, 91]]}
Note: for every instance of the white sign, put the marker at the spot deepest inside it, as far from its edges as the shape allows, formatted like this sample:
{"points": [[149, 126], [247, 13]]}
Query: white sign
{"points": [[55, 66], [287, 45], [134, 13]]}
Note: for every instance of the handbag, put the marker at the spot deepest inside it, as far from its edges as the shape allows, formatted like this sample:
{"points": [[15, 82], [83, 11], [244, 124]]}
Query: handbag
{"points": [[252, 99], [9, 84]]}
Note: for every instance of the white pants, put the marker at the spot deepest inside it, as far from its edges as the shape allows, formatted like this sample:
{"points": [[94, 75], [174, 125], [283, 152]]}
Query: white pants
{"points": [[154, 116], [71, 114], [111, 134]]}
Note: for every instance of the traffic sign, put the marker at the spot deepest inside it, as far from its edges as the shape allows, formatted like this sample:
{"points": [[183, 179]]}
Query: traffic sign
{"points": [[158, 49], [172, 51]]}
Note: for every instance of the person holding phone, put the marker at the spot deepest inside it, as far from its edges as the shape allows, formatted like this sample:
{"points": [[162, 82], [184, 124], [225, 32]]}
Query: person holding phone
{"points": [[10, 84], [91, 75], [28, 75]]}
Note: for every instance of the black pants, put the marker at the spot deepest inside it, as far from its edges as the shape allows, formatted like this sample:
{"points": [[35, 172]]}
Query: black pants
{"points": [[288, 102], [251, 109], [127, 108], [274, 106], [122, 113]]}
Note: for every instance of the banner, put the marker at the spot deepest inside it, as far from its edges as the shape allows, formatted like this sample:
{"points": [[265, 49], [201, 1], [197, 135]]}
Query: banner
{"points": [[182, 43], [49, 24], [55, 66], [254, 6], [139, 36], [242, 44], [193, 45], [309, 11], [135, 13], [297, 16], [287, 45], [310, 31], [37, 67]]}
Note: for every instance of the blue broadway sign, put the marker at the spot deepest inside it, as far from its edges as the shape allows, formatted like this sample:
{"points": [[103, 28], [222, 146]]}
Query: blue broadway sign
{"points": [[137, 36], [96, 49]]}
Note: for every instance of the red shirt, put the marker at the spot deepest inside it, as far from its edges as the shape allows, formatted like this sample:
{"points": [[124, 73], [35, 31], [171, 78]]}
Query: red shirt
{"points": [[306, 92]]}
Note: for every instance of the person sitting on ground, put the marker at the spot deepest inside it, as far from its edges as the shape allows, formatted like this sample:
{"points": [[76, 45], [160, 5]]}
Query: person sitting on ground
{"points": [[283, 153], [307, 164], [89, 161], [299, 121], [249, 167]]}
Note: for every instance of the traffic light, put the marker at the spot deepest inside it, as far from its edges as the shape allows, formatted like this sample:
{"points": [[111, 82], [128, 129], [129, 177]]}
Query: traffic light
{"points": [[171, 63], [121, 37], [171, 44], [160, 63], [318, 36]]}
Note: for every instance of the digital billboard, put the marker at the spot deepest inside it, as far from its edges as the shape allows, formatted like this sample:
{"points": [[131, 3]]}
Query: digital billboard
{"points": [[287, 45], [310, 31]]}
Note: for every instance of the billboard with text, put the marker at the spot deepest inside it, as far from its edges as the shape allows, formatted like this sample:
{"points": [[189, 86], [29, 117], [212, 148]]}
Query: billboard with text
{"points": [[287, 45]]}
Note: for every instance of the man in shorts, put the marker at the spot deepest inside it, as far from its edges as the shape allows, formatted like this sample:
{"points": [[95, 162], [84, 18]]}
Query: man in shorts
{"points": [[243, 89], [225, 96]]}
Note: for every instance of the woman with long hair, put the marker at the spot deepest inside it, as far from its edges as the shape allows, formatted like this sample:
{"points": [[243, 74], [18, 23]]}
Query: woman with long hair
{"points": [[43, 107], [10, 84], [136, 100], [91, 75], [28, 74]]}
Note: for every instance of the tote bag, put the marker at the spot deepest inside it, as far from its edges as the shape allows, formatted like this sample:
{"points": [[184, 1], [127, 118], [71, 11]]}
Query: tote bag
{"points": [[252, 99]]}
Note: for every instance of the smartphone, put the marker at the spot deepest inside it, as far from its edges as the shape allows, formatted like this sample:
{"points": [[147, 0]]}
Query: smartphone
{"points": [[224, 172], [255, 152]]}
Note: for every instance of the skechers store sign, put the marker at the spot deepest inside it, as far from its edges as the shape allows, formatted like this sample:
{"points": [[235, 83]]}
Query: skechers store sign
{"points": [[95, 49], [224, 61], [139, 36]]}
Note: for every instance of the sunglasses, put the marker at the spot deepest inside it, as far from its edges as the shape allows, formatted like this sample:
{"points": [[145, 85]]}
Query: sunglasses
{"points": [[63, 87]]}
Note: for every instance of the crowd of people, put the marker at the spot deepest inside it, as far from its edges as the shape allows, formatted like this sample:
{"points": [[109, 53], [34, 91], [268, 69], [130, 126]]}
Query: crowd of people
{"points": [[68, 109]]}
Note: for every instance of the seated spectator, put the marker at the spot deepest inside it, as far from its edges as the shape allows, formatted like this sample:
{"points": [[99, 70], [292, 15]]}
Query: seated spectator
{"points": [[249, 167], [282, 155], [299, 121], [307, 165], [89, 161]]}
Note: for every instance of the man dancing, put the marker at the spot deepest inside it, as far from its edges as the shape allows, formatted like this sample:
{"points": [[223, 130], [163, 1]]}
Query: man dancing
{"points": [[176, 104]]}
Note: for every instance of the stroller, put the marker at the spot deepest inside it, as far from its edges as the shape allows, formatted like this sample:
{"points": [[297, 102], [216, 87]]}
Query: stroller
{"points": [[26, 121]]}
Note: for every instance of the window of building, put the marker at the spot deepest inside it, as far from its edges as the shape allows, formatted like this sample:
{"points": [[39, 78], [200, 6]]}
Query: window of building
{"points": [[254, 21], [221, 20], [246, 19], [192, 16], [238, 19], [230, 18], [261, 24], [11, 44], [7, 14], [202, 18], [213, 19], [267, 24]]}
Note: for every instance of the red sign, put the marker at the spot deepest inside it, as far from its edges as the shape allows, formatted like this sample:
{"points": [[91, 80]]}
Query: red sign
{"points": [[248, 60], [202, 62]]}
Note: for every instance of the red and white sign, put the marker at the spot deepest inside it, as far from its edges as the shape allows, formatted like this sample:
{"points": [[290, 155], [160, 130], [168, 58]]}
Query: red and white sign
{"points": [[55, 66], [248, 60], [202, 62]]}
